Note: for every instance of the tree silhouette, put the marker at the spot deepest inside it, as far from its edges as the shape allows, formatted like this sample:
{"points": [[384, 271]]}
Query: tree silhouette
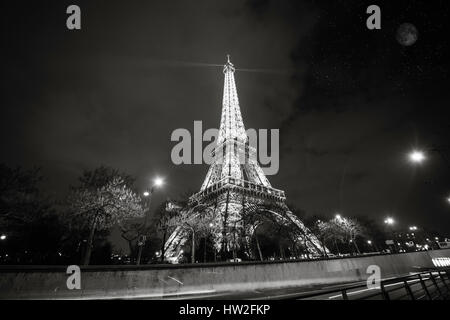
{"points": [[103, 199]]}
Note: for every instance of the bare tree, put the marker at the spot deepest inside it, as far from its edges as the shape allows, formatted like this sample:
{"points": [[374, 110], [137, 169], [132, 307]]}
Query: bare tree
{"points": [[102, 202], [325, 231], [193, 218], [349, 228], [21, 202]]}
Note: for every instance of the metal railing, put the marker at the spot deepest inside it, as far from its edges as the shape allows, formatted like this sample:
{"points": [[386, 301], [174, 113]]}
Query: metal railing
{"points": [[429, 285]]}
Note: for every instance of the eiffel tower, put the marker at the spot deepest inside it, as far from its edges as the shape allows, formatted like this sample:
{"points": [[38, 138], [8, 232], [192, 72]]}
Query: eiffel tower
{"points": [[236, 189]]}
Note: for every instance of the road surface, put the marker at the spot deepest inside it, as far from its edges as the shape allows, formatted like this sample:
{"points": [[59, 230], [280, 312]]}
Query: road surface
{"points": [[397, 291]]}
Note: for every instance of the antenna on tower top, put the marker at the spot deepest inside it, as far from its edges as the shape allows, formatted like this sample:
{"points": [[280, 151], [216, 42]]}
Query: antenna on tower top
{"points": [[228, 67]]}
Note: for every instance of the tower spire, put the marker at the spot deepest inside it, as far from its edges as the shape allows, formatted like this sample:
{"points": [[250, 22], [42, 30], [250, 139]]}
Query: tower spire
{"points": [[231, 124]]}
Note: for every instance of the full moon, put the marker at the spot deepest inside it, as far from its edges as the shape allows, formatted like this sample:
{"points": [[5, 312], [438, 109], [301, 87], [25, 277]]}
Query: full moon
{"points": [[407, 34]]}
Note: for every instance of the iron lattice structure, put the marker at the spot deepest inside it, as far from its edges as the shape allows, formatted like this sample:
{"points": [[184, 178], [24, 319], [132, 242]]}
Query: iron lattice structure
{"points": [[235, 192]]}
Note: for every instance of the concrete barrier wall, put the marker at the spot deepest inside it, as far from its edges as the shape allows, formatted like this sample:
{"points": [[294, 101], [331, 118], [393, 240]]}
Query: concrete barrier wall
{"points": [[165, 280]]}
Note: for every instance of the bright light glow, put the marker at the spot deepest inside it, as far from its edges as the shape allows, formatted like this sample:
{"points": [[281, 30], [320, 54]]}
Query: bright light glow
{"points": [[3, 237], [389, 221], [417, 156], [338, 216], [448, 199], [146, 194], [369, 242], [413, 228], [158, 182], [436, 238]]}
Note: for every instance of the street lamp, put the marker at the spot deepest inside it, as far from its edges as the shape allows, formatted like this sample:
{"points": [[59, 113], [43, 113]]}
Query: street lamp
{"points": [[157, 182], [413, 228], [389, 221], [3, 237], [372, 244], [416, 156]]}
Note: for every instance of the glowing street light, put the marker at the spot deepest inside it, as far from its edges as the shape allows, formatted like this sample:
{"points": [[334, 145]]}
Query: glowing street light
{"points": [[157, 182], [413, 228], [369, 242], [416, 156], [448, 199], [3, 237], [389, 221]]}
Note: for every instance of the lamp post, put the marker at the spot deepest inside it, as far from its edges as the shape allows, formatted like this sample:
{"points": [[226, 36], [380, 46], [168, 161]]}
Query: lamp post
{"points": [[372, 244], [192, 241], [389, 221], [158, 182], [338, 218], [204, 244], [413, 230], [2, 239]]}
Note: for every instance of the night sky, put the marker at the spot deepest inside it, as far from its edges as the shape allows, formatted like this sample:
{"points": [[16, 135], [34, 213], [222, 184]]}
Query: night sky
{"points": [[350, 102]]}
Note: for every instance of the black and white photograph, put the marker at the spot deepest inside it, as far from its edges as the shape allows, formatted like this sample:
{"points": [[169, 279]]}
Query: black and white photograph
{"points": [[208, 153]]}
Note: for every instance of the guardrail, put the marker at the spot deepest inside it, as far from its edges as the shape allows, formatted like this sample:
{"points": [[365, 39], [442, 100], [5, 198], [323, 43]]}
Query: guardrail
{"points": [[430, 285]]}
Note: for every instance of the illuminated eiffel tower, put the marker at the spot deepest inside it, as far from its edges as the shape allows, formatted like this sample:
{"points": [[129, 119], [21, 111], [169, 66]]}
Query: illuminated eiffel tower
{"points": [[235, 188]]}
